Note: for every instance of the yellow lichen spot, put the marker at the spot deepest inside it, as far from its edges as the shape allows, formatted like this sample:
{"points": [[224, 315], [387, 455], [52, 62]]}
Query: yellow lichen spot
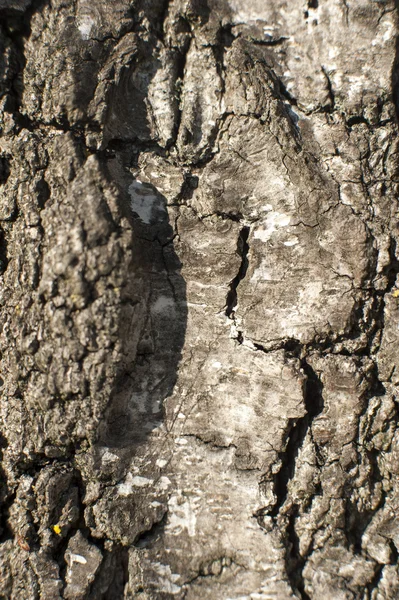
{"points": [[395, 293], [57, 529]]}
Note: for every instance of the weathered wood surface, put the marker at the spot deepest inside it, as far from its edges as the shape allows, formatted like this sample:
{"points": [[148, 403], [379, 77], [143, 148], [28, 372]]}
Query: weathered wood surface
{"points": [[199, 311]]}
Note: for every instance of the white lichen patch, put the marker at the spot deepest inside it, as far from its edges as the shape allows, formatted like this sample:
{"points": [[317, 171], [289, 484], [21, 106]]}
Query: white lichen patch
{"points": [[181, 441], [195, 305], [126, 488], [141, 481], [384, 36], [262, 273], [182, 515], [216, 364], [273, 221], [108, 457], [355, 88], [145, 202], [168, 579], [164, 482], [266, 208], [85, 25], [310, 292], [76, 558], [291, 242]]}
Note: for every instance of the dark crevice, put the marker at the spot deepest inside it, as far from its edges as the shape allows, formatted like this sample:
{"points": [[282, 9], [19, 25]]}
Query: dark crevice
{"points": [[78, 129], [162, 20], [292, 347], [286, 94], [42, 190], [331, 94], [225, 39], [147, 538], [242, 250], [240, 338], [132, 146], [394, 553], [346, 9], [314, 405], [373, 585], [17, 24], [211, 442], [7, 500], [226, 216], [270, 42], [294, 561], [4, 169], [356, 120], [116, 560], [190, 184], [377, 314], [3, 252], [181, 61], [392, 269]]}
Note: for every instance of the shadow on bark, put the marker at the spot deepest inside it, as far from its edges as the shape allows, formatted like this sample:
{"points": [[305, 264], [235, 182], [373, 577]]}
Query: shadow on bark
{"points": [[154, 313], [153, 324]]}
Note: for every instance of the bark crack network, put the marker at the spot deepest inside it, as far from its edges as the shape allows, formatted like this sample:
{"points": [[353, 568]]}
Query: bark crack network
{"points": [[214, 568], [314, 405], [294, 561], [242, 250]]}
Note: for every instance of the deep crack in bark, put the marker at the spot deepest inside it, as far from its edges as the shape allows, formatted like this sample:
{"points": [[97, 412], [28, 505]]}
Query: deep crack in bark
{"points": [[242, 250], [314, 405]]}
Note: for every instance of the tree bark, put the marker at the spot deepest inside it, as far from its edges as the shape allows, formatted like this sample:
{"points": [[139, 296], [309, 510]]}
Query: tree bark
{"points": [[199, 300]]}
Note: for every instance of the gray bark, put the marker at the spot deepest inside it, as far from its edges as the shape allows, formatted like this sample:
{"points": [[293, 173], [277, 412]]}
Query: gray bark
{"points": [[199, 300]]}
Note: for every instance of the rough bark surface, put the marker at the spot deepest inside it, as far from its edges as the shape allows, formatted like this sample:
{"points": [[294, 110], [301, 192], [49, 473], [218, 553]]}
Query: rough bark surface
{"points": [[199, 300]]}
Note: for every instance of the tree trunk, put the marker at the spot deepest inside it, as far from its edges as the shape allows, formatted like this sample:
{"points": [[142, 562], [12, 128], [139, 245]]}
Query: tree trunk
{"points": [[199, 300]]}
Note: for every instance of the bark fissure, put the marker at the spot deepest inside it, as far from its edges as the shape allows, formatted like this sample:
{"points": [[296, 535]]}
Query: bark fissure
{"points": [[313, 400], [294, 561], [148, 537], [242, 251], [145, 431]]}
